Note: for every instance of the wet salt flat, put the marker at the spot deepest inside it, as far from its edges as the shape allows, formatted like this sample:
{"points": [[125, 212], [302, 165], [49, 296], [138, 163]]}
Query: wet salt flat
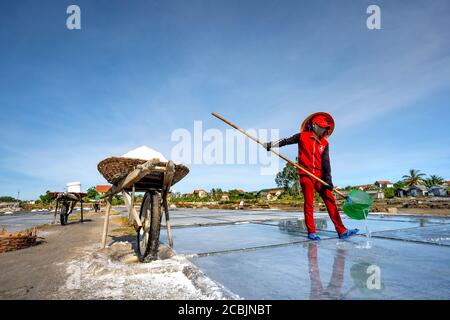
{"points": [[265, 255], [25, 219], [439, 234], [333, 269]]}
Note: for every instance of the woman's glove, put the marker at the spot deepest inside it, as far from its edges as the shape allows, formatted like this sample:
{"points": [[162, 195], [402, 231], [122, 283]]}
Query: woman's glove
{"points": [[330, 184], [267, 145]]}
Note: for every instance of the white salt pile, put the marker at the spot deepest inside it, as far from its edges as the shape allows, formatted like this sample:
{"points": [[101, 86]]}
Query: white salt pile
{"points": [[107, 275], [144, 153]]}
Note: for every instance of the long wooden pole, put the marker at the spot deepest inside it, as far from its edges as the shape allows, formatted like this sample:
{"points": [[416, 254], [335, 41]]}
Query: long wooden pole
{"points": [[132, 214], [106, 223], [56, 211], [278, 154], [81, 203], [167, 183]]}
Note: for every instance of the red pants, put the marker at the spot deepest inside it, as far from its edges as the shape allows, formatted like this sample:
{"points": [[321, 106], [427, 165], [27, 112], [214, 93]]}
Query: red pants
{"points": [[309, 186]]}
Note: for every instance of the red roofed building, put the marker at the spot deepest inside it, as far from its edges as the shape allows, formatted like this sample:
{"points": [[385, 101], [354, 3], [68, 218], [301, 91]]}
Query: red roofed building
{"points": [[102, 189], [384, 184]]}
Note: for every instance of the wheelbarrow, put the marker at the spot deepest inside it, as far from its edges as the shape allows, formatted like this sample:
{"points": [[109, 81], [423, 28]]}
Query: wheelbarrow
{"points": [[154, 178], [65, 203]]}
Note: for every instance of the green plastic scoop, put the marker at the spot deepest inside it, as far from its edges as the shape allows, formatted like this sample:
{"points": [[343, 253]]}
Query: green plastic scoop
{"points": [[357, 205]]}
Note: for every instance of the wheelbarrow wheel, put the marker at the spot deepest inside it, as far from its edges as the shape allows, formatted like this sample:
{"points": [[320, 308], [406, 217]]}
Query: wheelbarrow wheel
{"points": [[63, 209], [148, 234]]}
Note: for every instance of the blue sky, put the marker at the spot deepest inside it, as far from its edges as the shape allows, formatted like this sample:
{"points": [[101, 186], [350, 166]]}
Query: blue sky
{"points": [[137, 70]]}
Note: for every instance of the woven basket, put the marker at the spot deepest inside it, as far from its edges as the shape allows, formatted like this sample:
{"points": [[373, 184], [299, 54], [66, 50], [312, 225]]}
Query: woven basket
{"points": [[10, 241], [114, 169]]}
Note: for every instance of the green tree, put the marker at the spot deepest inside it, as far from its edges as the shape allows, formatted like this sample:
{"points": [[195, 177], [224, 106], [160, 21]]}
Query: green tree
{"points": [[287, 178], [399, 184], [7, 199], [415, 177], [234, 194], [139, 198], [249, 196], [92, 193], [216, 193], [434, 180], [45, 198], [389, 193], [118, 200]]}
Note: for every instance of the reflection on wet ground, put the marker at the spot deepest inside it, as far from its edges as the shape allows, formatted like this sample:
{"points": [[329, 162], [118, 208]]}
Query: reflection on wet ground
{"points": [[267, 256]]}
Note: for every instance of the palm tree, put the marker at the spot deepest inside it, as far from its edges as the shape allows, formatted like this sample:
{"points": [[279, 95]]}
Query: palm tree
{"points": [[415, 177], [434, 180]]}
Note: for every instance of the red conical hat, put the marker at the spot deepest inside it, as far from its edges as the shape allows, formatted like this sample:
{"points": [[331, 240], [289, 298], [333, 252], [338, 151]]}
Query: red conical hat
{"points": [[329, 119]]}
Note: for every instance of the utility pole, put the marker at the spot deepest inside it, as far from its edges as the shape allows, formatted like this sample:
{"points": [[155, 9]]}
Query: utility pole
{"points": [[18, 195]]}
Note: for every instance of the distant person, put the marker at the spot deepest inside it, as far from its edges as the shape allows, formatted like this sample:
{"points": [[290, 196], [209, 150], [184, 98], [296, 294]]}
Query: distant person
{"points": [[313, 155]]}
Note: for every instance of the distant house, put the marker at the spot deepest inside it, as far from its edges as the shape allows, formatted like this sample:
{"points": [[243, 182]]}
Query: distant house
{"points": [[263, 193], [376, 194], [273, 194], [401, 192], [384, 184], [102, 189], [270, 194], [437, 191], [225, 196], [201, 193], [364, 186], [417, 191]]}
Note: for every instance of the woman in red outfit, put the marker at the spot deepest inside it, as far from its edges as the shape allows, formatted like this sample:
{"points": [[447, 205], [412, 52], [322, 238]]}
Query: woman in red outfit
{"points": [[313, 155]]}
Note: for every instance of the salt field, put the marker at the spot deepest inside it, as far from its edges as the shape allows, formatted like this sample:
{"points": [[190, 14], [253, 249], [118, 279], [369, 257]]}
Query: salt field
{"points": [[256, 257]]}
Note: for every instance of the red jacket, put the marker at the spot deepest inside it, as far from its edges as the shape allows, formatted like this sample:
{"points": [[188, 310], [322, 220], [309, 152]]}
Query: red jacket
{"points": [[310, 152], [313, 154]]}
